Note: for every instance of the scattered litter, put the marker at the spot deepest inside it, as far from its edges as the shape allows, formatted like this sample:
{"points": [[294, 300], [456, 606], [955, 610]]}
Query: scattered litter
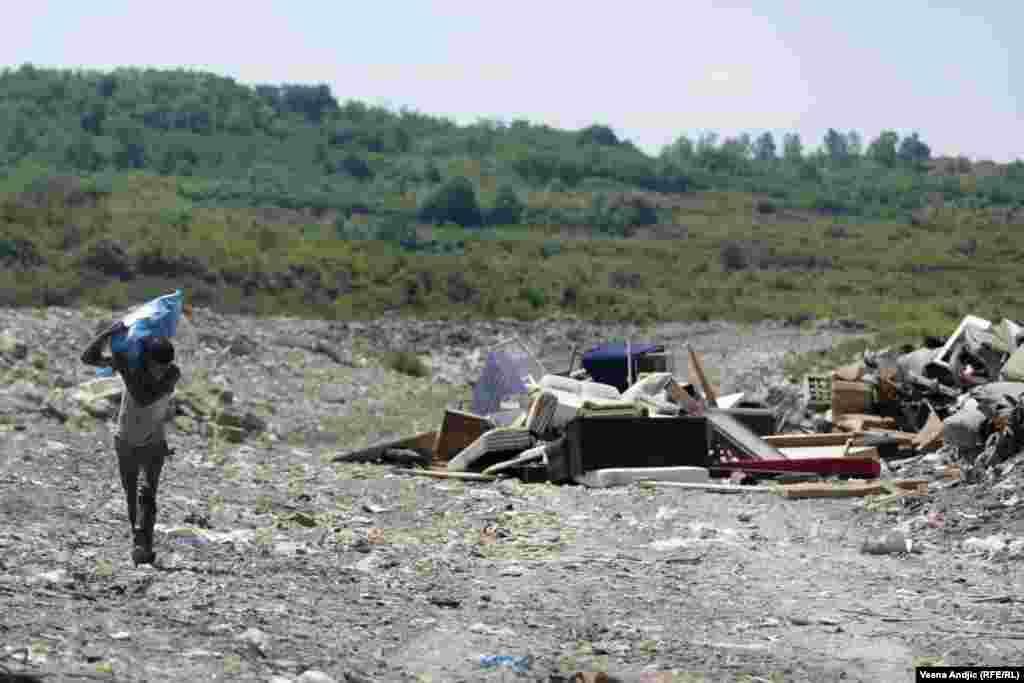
{"points": [[892, 543], [990, 545], [484, 629], [520, 663]]}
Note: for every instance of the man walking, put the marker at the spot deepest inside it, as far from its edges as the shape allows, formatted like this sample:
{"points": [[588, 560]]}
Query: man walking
{"points": [[140, 442]]}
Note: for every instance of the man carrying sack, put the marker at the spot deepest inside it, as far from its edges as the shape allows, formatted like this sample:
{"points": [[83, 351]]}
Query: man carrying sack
{"points": [[140, 442]]}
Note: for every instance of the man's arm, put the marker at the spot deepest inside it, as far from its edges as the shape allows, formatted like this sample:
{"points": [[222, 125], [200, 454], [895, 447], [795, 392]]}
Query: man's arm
{"points": [[93, 354]]}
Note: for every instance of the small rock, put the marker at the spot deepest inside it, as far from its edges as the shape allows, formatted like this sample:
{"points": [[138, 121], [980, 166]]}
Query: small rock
{"points": [[444, 601], [892, 543], [121, 635], [27, 392], [59, 576], [484, 629], [990, 545], [92, 653], [314, 676], [256, 638], [14, 347], [98, 408], [334, 393]]}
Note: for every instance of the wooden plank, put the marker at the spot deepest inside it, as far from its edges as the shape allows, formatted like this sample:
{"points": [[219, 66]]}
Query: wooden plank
{"points": [[515, 462], [446, 474], [930, 436], [837, 438], [716, 488], [678, 394], [422, 442], [802, 440], [862, 452], [851, 489], [696, 369], [858, 422], [905, 439]]}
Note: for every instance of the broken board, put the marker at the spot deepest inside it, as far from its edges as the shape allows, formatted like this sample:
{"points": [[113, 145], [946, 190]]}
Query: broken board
{"points": [[735, 434], [421, 443], [836, 439], [852, 489]]}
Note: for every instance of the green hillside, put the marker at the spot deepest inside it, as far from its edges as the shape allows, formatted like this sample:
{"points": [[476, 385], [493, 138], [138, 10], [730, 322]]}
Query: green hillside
{"points": [[278, 198]]}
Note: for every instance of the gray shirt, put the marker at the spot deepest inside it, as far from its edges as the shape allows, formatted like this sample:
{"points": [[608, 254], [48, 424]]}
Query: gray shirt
{"points": [[141, 425], [145, 401]]}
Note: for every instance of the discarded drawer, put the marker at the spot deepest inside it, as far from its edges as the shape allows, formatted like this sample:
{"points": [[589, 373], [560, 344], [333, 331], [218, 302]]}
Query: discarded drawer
{"points": [[491, 448], [610, 442], [458, 430]]}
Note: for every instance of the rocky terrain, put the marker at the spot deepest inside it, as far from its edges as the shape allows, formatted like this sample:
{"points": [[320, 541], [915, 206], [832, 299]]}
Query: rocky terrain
{"points": [[276, 564]]}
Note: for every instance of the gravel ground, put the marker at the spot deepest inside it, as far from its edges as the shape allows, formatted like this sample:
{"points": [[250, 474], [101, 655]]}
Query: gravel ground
{"points": [[277, 565]]}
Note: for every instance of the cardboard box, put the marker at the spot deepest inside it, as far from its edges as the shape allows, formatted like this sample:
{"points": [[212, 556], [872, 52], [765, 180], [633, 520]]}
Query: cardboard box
{"points": [[850, 397], [458, 430]]}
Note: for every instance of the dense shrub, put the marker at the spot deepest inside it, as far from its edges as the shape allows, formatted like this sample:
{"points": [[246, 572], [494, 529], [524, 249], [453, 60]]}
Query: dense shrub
{"points": [[407, 363], [507, 209], [454, 201]]}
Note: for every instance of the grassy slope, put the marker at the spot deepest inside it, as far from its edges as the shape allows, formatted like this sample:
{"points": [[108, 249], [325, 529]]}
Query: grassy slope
{"points": [[900, 276]]}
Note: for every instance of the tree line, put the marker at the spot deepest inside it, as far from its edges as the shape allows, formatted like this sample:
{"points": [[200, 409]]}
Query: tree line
{"points": [[297, 145]]}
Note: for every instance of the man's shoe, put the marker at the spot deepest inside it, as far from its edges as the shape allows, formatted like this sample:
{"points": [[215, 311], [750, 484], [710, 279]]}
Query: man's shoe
{"points": [[143, 553]]}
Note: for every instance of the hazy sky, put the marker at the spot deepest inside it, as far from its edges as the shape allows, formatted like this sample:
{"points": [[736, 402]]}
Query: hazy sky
{"points": [[651, 70]]}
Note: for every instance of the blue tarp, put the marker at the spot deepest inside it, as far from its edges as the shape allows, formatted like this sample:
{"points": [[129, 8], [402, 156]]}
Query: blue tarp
{"points": [[607, 363], [501, 378]]}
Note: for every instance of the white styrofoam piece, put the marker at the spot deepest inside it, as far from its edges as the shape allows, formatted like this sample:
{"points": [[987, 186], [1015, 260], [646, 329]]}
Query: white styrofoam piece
{"points": [[569, 405], [587, 389], [653, 386], [623, 476], [943, 357], [726, 402]]}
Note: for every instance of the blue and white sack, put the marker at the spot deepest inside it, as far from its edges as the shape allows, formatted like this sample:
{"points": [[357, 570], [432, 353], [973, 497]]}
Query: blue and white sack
{"points": [[159, 317]]}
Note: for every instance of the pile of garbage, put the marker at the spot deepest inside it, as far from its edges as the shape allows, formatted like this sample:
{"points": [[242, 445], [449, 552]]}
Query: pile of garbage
{"points": [[959, 398], [627, 416]]}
